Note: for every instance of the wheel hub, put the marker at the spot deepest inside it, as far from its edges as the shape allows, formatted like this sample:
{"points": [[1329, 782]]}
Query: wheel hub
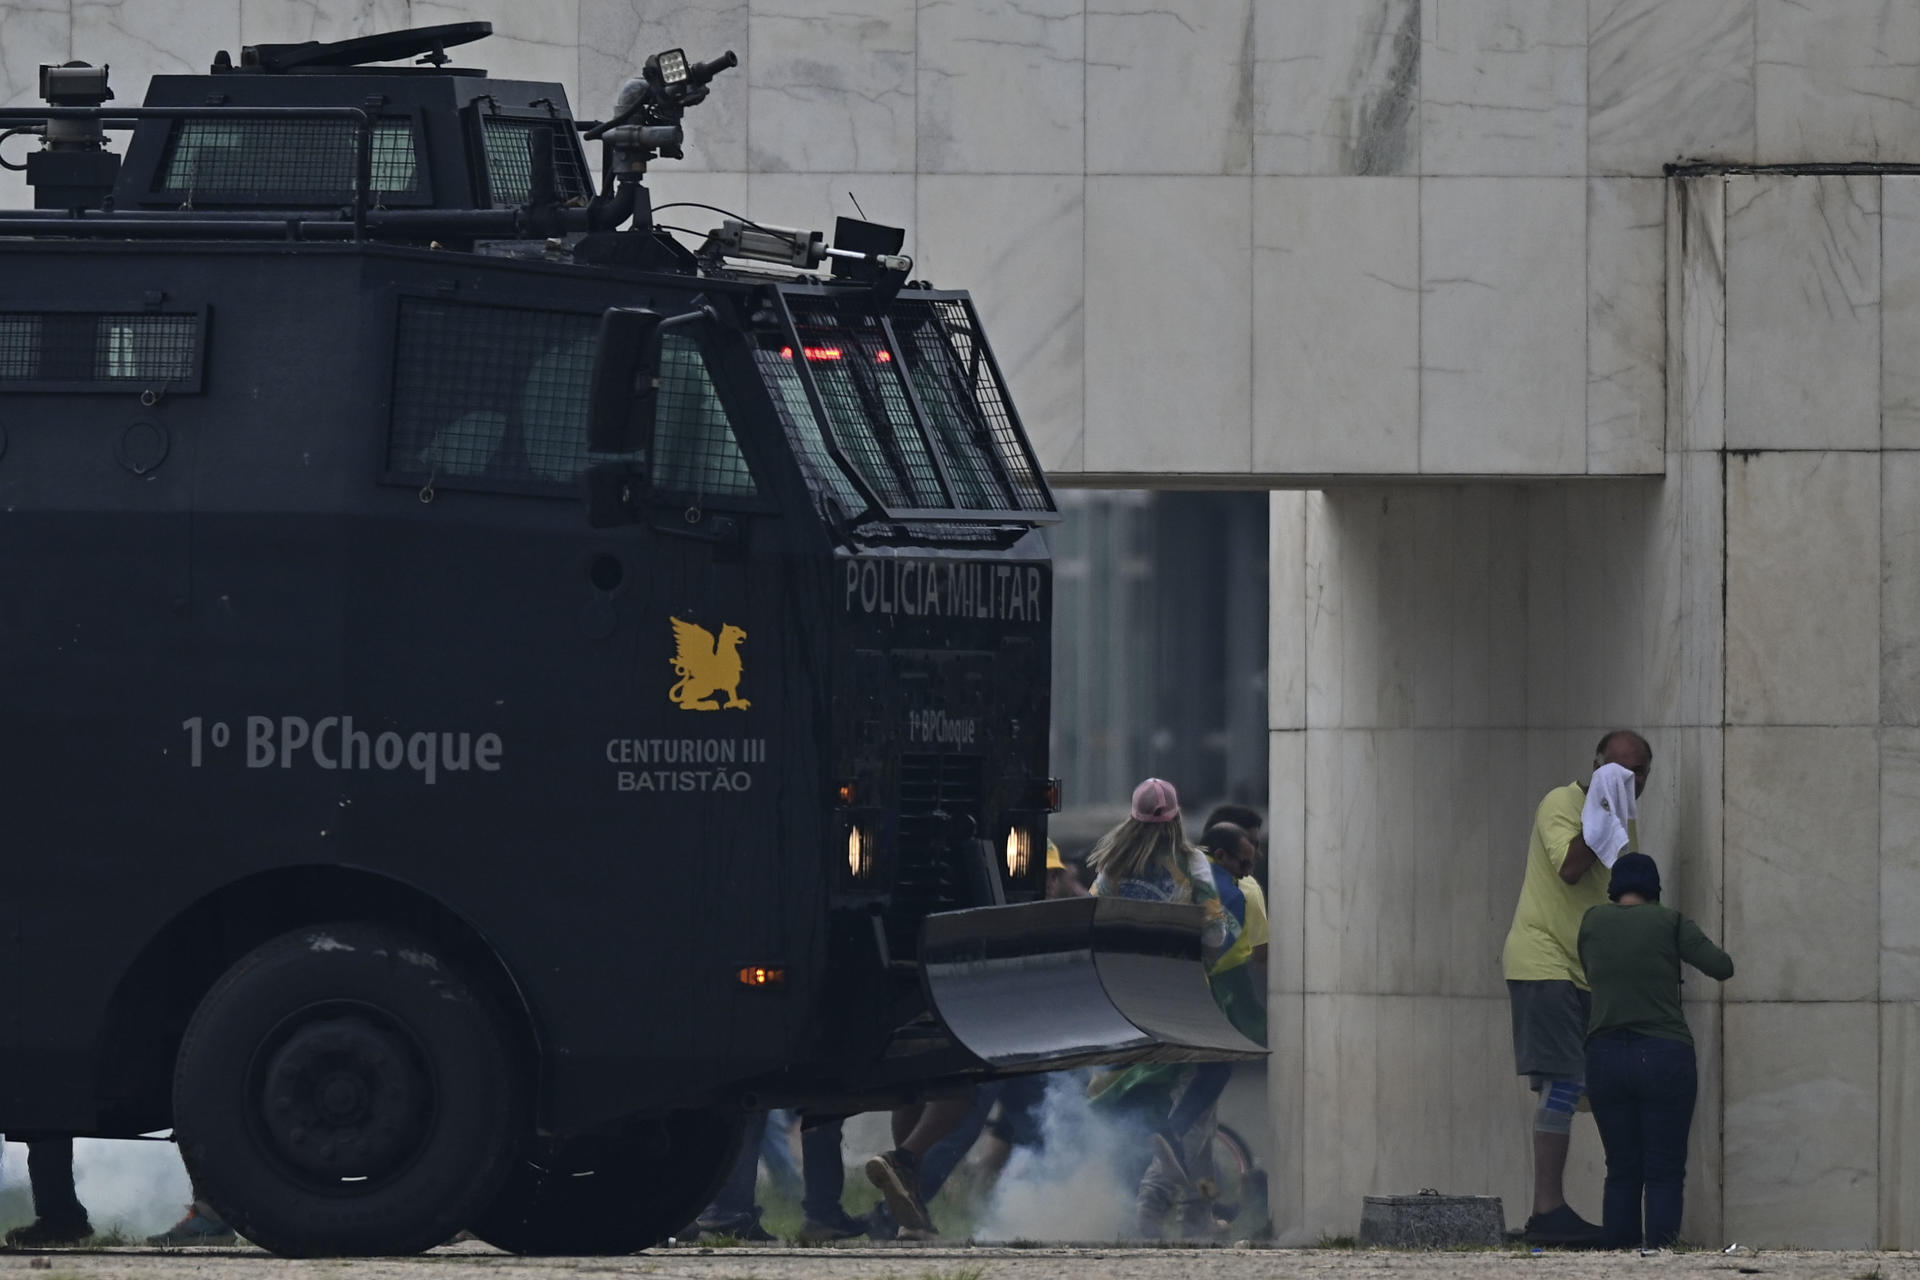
{"points": [[343, 1097]]}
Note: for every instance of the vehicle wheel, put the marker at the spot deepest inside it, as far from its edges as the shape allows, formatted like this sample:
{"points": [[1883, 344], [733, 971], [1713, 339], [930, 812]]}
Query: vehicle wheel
{"points": [[341, 1090], [614, 1195]]}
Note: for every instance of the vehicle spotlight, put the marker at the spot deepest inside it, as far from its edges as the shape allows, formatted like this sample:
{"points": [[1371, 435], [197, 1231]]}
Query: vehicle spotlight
{"points": [[673, 66], [859, 851], [1019, 852]]}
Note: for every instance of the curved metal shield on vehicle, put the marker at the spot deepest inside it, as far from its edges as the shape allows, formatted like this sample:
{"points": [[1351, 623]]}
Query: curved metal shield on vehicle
{"points": [[1075, 982]]}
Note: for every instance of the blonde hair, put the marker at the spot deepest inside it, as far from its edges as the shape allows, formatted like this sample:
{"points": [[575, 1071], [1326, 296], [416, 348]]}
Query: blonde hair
{"points": [[1126, 852]]}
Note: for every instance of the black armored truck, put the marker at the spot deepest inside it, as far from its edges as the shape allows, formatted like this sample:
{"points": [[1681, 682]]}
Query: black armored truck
{"points": [[491, 691]]}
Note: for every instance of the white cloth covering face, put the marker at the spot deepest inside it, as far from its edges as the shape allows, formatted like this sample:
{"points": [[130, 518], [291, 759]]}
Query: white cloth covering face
{"points": [[1611, 805]]}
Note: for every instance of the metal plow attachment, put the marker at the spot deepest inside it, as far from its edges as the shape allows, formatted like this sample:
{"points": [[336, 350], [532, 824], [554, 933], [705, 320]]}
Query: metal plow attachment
{"points": [[1076, 982]]}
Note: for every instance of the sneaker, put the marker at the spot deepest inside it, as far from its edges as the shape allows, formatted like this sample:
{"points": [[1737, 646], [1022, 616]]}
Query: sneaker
{"points": [[897, 1174], [738, 1226], [1562, 1227], [844, 1226], [44, 1234], [200, 1226]]}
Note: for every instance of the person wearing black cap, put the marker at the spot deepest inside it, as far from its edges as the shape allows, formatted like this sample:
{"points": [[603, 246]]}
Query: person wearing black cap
{"points": [[1641, 1076]]}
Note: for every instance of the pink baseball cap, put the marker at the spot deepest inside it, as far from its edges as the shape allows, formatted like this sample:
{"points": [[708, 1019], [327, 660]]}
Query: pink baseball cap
{"points": [[1155, 800]]}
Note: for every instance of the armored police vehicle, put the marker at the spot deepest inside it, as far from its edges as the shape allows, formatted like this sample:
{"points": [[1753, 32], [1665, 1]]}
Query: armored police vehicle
{"points": [[491, 691]]}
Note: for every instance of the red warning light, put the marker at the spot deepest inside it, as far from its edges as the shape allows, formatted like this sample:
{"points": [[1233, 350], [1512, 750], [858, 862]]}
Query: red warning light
{"points": [[886, 357]]}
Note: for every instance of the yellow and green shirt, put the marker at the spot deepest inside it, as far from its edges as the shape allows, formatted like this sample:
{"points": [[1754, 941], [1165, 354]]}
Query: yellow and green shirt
{"points": [[1544, 943]]}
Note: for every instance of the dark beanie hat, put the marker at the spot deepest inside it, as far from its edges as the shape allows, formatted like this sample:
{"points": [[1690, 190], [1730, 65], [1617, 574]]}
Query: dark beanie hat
{"points": [[1634, 873]]}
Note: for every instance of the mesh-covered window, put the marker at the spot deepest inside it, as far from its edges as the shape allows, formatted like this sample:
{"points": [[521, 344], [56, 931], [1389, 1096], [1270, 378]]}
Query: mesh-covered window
{"points": [[500, 395], [802, 427], [960, 387], [868, 408], [694, 448], [490, 393], [980, 477], [509, 146], [304, 161], [78, 350]]}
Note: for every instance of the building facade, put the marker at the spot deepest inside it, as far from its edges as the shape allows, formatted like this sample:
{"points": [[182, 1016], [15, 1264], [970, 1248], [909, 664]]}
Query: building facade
{"points": [[1557, 441]]}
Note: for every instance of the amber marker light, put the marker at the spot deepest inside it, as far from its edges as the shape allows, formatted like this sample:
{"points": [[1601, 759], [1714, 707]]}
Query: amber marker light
{"points": [[761, 976]]}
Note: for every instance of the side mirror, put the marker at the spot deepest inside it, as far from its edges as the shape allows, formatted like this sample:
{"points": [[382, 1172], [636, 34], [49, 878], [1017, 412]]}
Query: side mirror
{"points": [[614, 493], [626, 380]]}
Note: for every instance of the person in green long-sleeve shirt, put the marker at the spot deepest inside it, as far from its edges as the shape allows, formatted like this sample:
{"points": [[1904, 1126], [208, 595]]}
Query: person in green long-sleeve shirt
{"points": [[1641, 1075]]}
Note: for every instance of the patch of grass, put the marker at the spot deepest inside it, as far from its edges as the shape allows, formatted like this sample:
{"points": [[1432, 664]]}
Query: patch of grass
{"points": [[957, 1273], [721, 1242], [1336, 1242]]}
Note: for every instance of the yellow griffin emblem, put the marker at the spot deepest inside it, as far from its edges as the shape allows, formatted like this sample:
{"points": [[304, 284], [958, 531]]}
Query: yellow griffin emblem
{"points": [[707, 666]]}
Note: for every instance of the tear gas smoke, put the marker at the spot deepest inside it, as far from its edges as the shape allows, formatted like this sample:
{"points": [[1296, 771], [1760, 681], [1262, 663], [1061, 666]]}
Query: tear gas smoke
{"points": [[133, 1187], [1072, 1187]]}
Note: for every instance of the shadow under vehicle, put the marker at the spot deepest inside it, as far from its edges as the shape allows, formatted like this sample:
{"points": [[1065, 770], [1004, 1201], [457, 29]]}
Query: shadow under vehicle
{"points": [[492, 693]]}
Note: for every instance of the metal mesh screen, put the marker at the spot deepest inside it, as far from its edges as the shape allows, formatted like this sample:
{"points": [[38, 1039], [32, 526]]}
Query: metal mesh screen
{"points": [[509, 144], [868, 408], [309, 161], [992, 428], [500, 395], [959, 431], [490, 393], [694, 448], [85, 347], [802, 427]]}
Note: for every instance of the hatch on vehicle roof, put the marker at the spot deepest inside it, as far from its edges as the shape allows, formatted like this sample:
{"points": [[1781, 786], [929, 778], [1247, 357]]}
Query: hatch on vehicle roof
{"points": [[428, 44]]}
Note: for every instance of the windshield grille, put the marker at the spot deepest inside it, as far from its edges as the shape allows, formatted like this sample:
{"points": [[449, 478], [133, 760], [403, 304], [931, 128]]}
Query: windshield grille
{"points": [[878, 397], [296, 161]]}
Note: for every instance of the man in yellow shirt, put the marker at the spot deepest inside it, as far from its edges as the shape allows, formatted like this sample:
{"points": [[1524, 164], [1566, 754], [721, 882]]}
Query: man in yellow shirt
{"points": [[1548, 987]]}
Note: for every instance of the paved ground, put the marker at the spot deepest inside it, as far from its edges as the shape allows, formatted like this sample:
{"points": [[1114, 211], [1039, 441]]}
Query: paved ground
{"points": [[474, 1262]]}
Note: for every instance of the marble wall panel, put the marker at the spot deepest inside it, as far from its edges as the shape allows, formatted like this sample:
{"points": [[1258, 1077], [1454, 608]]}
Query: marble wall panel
{"points": [[1802, 1088], [1696, 313], [1503, 87], [1287, 1120], [1899, 588], [1169, 378], [1703, 1218], [1802, 863], [1899, 1126], [531, 40], [618, 36], [1669, 81], [292, 21], [1287, 609], [1900, 311], [140, 39], [1803, 588], [1626, 326], [1286, 840], [1336, 273], [833, 89], [1170, 87], [1838, 81], [1803, 312], [1899, 895], [1375, 1067], [1503, 321], [1588, 557], [32, 32], [1337, 87], [1017, 243], [1002, 87], [1358, 660], [1682, 816], [1682, 641]]}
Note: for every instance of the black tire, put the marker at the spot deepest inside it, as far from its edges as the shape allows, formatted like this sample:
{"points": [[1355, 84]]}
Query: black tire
{"points": [[610, 1196], [342, 1091]]}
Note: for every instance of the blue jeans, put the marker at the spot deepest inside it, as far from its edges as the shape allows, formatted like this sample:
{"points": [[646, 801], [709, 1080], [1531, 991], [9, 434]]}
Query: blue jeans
{"points": [[1642, 1089]]}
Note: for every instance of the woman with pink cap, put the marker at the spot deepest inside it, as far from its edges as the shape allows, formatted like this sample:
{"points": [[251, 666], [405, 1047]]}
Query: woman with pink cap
{"points": [[1148, 857]]}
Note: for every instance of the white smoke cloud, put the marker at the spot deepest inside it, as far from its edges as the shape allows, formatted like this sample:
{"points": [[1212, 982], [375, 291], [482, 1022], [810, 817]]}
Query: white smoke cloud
{"points": [[134, 1187], [1070, 1188]]}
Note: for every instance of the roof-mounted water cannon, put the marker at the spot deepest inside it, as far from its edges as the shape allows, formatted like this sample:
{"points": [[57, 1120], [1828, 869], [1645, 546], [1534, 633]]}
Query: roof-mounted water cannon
{"points": [[73, 169], [646, 115]]}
